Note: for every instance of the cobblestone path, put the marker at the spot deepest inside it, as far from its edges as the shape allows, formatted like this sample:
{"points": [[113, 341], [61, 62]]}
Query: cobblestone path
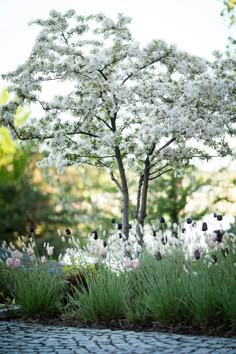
{"points": [[20, 337]]}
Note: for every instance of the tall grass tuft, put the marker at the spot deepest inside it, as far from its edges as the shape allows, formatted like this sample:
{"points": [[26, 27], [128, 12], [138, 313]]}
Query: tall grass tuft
{"points": [[103, 298], [38, 292], [163, 284]]}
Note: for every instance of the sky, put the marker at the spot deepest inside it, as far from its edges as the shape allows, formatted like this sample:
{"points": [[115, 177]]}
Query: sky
{"points": [[193, 25]]}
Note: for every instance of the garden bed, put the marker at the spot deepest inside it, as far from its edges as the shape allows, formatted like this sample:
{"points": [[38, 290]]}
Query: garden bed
{"points": [[175, 286], [179, 328]]}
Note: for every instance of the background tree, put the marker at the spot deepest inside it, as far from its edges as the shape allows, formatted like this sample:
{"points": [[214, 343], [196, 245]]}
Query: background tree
{"points": [[120, 105], [169, 196]]}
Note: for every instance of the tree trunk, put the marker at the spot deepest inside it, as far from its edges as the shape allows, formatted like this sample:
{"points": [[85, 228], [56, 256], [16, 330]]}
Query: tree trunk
{"points": [[140, 185], [142, 207], [125, 193]]}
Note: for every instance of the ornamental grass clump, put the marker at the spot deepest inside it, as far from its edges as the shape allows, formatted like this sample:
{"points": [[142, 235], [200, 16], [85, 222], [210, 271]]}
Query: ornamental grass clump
{"points": [[174, 289], [163, 283], [102, 299], [37, 291], [226, 288]]}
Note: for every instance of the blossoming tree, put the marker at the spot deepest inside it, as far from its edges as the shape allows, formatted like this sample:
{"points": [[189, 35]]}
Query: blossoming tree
{"points": [[119, 105]]}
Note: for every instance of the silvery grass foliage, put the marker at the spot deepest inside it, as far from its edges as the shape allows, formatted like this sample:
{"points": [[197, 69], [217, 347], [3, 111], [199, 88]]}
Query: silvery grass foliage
{"points": [[120, 106]]}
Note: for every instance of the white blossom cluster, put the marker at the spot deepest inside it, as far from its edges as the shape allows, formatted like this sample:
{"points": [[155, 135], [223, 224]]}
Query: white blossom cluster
{"points": [[120, 253], [148, 101]]}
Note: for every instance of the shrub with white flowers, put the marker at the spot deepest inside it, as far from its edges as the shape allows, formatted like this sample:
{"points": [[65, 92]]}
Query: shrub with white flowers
{"points": [[120, 105]]}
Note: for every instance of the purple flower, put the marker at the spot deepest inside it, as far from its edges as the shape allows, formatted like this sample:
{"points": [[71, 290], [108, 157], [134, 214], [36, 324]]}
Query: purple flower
{"points": [[197, 254], [219, 235], [204, 226], [95, 234]]}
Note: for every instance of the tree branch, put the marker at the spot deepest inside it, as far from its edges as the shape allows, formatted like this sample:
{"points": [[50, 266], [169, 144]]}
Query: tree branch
{"points": [[115, 180], [32, 137], [141, 68], [140, 184], [159, 169], [160, 174], [103, 75], [102, 120], [167, 144]]}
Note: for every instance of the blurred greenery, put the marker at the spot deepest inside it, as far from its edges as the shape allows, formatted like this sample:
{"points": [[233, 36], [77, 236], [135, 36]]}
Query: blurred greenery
{"points": [[170, 194]]}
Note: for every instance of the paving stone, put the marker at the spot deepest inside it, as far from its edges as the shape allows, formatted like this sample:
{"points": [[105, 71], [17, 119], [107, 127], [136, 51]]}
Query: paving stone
{"points": [[19, 338]]}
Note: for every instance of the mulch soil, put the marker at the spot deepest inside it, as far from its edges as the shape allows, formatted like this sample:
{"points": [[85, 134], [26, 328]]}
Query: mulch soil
{"points": [[177, 328]]}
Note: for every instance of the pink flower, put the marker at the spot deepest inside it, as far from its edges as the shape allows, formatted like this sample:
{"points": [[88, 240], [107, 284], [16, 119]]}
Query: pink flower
{"points": [[30, 251], [128, 263], [136, 263], [13, 262], [16, 263], [9, 262]]}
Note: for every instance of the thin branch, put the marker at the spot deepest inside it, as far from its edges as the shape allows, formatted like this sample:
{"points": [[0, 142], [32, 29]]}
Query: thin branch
{"points": [[142, 67], [115, 180], [167, 144], [32, 137], [64, 37], [159, 169], [103, 75], [160, 174], [102, 120]]}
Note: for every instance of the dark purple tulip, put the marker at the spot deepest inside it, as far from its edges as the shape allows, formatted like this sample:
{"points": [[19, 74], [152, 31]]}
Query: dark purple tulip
{"points": [[189, 221], [219, 235], [119, 226], [158, 255], [183, 230], [67, 231], [154, 233], [215, 215], [113, 221], [95, 234], [120, 235], [219, 217], [164, 240], [104, 243], [31, 229], [197, 254], [214, 258], [225, 252], [204, 226], [162, 220]]}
